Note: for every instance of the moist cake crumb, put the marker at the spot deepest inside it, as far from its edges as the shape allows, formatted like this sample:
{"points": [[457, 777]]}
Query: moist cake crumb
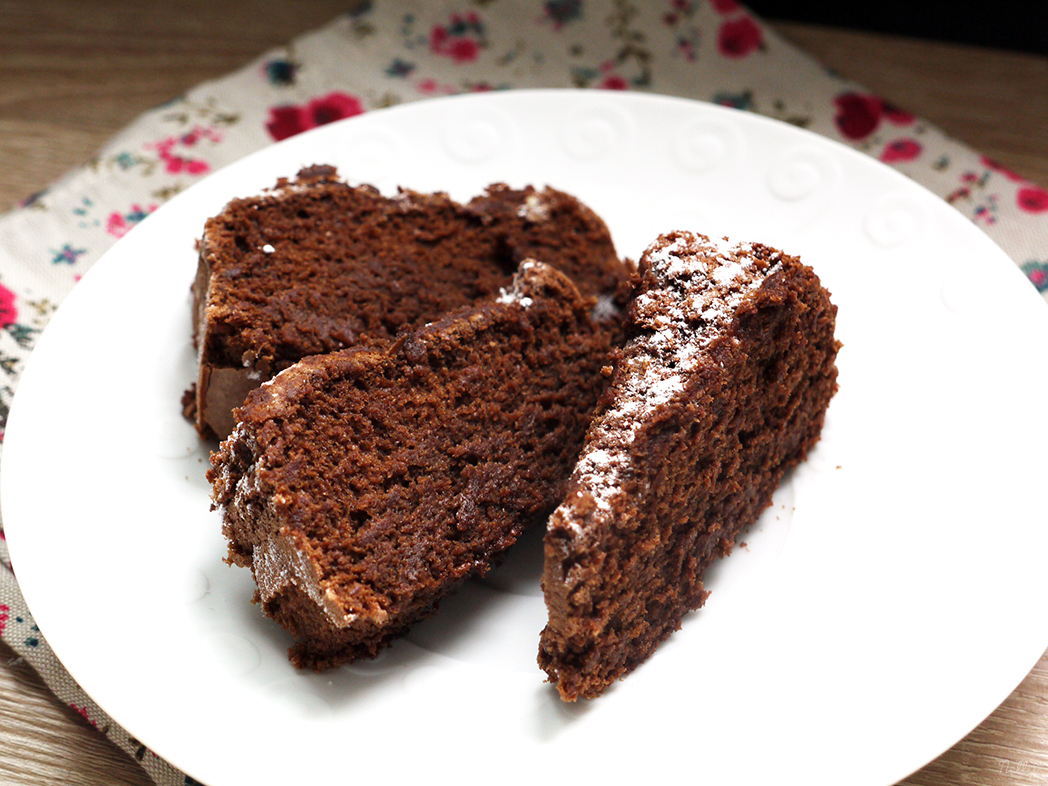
{"points": [[316, 265], [361, 486]]}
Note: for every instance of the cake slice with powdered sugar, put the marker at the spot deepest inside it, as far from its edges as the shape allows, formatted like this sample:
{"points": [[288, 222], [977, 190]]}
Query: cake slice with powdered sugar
{"points": [[722, 386], [362, 486]]}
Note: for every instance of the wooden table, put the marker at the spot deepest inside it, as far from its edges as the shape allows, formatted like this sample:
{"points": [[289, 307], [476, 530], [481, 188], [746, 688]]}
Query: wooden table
{"points": [[74, 73]]}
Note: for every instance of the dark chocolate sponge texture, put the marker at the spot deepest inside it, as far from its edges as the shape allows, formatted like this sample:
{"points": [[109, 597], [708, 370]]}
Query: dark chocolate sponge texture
{"points": [[316, 265], [722, 387], [363, 485]]}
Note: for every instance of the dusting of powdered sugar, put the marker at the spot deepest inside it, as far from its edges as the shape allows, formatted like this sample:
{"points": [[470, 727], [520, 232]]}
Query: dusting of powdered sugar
{"points": [[534, 208], [695, 284], [513, 296], [515, 293], [605, 310]]}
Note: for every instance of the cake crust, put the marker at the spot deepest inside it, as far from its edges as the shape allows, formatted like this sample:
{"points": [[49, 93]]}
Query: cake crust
{"points": [[363, 485], [722, 387]]}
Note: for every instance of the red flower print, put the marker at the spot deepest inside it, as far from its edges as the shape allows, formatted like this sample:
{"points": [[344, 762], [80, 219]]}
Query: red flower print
{"points": [[459, 40], [901, 150], [461, 49], [430, 86], [739, 37], [1035, 270], [4, 611], [119, 224], [82, 711], [989, 163], [285, 121], [464, 50], [289, 119], [174, 162], [725, 6], [857, 115], [8, 312], [614, 82], [895, 115], [1032, 199]]}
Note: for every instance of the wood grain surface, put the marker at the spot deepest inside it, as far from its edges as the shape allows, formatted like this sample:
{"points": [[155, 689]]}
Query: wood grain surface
{"points": [[73, 73]]}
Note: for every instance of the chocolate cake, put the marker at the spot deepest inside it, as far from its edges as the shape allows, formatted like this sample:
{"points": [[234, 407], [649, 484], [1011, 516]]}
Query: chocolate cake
{"points": [[722, 386], [362, 485], [316, 265]]}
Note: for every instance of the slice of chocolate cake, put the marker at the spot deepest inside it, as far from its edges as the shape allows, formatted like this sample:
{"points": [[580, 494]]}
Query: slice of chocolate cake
{"points": [[362, 485], [316, 265], [722, 386]]}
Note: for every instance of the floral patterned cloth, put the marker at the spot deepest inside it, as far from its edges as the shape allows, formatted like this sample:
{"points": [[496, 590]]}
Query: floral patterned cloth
{"points": [[385, 53]]}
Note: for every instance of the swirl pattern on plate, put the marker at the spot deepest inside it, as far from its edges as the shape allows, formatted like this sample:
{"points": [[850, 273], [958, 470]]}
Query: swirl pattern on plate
{"points": [[702, 146], [477, 136], [895, 220], [595, 131], [802, 173]]}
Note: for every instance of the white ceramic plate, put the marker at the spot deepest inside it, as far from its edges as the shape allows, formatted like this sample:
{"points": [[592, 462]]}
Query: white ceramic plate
{"points": [[893, 595]]}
